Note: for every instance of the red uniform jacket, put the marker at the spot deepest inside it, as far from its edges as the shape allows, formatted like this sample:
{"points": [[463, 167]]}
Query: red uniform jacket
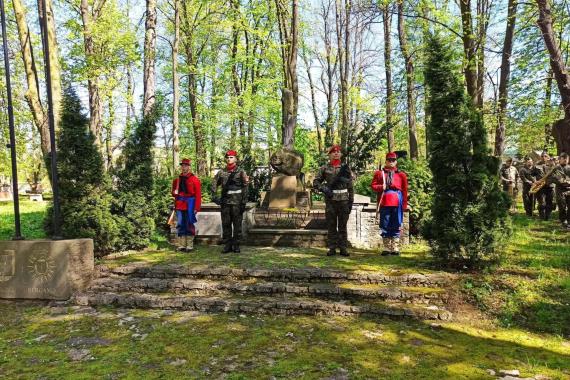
{"points": [[399, 182], [193, 190]]}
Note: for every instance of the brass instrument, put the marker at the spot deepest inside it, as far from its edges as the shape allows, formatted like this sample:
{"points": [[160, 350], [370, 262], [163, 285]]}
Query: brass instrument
{"points": [[535, 188]]}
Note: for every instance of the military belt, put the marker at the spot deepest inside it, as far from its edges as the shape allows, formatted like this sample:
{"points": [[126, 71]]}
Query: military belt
{"points": [[341, 191], [234, 191]]}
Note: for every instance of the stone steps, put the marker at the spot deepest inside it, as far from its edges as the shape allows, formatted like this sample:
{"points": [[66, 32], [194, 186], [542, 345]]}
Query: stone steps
{"points": [[262, 305], [117, 283], [286, 237], [295, 275]]}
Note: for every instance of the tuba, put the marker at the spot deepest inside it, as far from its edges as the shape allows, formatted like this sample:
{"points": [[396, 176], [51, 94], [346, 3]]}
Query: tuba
{"points": [[535, 188]]}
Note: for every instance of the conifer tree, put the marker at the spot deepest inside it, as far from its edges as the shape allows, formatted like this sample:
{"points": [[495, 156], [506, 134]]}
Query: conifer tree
{"points": [[469, 211], [83, 186]]}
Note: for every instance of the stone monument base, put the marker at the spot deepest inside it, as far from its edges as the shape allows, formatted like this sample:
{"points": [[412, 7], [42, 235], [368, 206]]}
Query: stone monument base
{"points": [[45, 269], [283, 192]]}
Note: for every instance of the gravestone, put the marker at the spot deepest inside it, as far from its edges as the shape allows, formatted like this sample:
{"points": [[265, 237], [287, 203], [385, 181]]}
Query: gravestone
{"points": [[45, 269]]}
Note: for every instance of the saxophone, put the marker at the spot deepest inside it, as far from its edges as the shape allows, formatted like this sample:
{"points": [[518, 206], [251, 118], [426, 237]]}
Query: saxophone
{"points": [[535, 188]]}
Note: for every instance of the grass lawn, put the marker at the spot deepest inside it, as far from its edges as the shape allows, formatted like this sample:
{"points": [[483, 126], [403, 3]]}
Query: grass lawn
{"points": [[525, 323], [39, 342], [31, 219]]}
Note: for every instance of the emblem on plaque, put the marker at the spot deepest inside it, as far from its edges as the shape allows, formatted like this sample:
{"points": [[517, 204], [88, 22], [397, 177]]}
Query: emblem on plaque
{"points": [[40, 266], [7, 264]]}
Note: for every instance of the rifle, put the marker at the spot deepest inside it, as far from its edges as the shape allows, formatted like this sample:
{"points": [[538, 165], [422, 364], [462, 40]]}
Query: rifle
{"points": [[381, 196], [171, 219]]}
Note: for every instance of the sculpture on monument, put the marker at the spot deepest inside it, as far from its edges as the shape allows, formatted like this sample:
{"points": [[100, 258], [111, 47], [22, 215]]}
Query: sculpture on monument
{"points": [[287, 186]]}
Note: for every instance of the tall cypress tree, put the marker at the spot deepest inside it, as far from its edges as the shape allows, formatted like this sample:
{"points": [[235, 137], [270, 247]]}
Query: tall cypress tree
{"points": [[83, 186], [469, 211]]}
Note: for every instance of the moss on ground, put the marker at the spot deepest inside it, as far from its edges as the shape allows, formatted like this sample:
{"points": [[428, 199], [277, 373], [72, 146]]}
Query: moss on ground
{"points": [[35, 343]]}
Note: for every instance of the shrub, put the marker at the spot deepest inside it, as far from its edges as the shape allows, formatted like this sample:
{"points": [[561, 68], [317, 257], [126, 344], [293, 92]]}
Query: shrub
{"points": [[469, 211], [420, 192], [85, 202]]}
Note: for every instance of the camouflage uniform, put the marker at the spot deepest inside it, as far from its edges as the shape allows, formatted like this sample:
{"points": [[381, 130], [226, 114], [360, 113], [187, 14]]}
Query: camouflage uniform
{"points": [[561, 178], [510, 179], [339, 196], [544, 196], [528, 177], [232, 201]]}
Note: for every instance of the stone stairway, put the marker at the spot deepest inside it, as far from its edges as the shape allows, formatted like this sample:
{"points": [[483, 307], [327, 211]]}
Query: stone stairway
{"points": [[270, 291]]}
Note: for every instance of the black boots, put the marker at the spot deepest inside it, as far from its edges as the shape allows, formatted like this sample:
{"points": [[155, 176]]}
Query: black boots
{"points": [[331, 252], [236, 248], [344, 252], [227, 248]]}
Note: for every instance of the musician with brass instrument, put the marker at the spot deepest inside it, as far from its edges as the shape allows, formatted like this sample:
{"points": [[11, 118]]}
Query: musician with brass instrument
{"points": [[561, 178], [528, 178], [543, 190], [509, 180]]}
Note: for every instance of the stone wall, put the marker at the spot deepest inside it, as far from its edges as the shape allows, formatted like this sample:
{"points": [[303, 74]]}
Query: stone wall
{"points": [[364, 231]]}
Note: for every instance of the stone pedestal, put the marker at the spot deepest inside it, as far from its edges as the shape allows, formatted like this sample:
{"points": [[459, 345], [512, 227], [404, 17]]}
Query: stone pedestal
{"points": [[45, 269], [283, 192]]}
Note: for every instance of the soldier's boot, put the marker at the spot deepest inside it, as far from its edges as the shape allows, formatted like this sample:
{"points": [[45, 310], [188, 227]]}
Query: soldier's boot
{"points": [[181, 243], [395, 247], [331, 252], [189, 243], [236, 247], [344, 252], [387, 246], [227, 247]]}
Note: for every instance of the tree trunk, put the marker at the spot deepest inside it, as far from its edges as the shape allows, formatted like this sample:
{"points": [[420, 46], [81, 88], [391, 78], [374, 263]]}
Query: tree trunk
{"points": [[237, 87], [387, 16], [55, 69], [342, 30], [504, 78], [313, 102], [561, 128], [95, 101], [410, 92], [469, 49], [175, 89], [33, 93], [288, 33], [109, 132], [149, 79]]}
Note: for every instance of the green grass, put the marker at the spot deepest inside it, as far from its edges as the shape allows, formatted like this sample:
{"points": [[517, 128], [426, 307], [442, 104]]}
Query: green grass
{"points": [[35, 343], [31, 219], [531, 288]]}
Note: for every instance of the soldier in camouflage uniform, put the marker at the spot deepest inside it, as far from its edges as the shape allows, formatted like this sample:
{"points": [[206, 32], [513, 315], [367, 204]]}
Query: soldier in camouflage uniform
{"points": [[561, 178], [528, 177], [509, 180], [544, 196], [334, 180], [233, 182]]}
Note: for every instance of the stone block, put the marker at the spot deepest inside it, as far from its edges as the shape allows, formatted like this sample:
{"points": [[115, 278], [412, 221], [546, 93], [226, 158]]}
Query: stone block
{"points": [[209, 223], [45, 269], [361, 199], [283, 192]]}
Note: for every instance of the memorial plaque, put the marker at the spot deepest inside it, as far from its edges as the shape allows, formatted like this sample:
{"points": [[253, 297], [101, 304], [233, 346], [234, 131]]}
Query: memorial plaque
{"points": [[283, 192], [45, 269], [209, 223]]}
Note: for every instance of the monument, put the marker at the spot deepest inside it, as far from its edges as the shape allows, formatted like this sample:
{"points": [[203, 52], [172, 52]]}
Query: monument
{"points": [[287, 186]]}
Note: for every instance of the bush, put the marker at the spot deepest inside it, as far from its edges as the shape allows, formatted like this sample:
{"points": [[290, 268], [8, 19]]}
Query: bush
{"points": [[83, 185], [362, 185], [420, 192], [469, 212], [136, 188]]}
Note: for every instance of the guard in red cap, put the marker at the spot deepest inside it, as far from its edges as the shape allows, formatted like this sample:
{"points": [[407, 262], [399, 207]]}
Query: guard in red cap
{"points": [[334, 180], [233, 182], [391, 185], [188, 199]]}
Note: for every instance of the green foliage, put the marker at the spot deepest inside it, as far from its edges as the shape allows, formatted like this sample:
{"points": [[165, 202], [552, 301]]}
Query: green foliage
{"points": [[136, 187], [362, 185], [362, 144], [420, 192], [83, 185], [469, 211]]}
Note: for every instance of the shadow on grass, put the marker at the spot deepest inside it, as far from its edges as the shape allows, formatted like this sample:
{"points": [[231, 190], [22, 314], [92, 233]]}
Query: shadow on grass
{"points": [[261, 346]]}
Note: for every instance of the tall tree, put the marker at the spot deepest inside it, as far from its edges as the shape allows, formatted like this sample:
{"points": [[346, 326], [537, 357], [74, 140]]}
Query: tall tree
{"points": [[32, 95], [149, 80], [504, 78], [410, 91], [387, 18], [288, 20], [561, 128], [342, 9], [176, 89]]}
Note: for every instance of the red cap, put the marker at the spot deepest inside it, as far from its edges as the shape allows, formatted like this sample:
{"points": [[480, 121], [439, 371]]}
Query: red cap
{"points": [[334, 149], [185, 161], [231, 153], [391, 155]]}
